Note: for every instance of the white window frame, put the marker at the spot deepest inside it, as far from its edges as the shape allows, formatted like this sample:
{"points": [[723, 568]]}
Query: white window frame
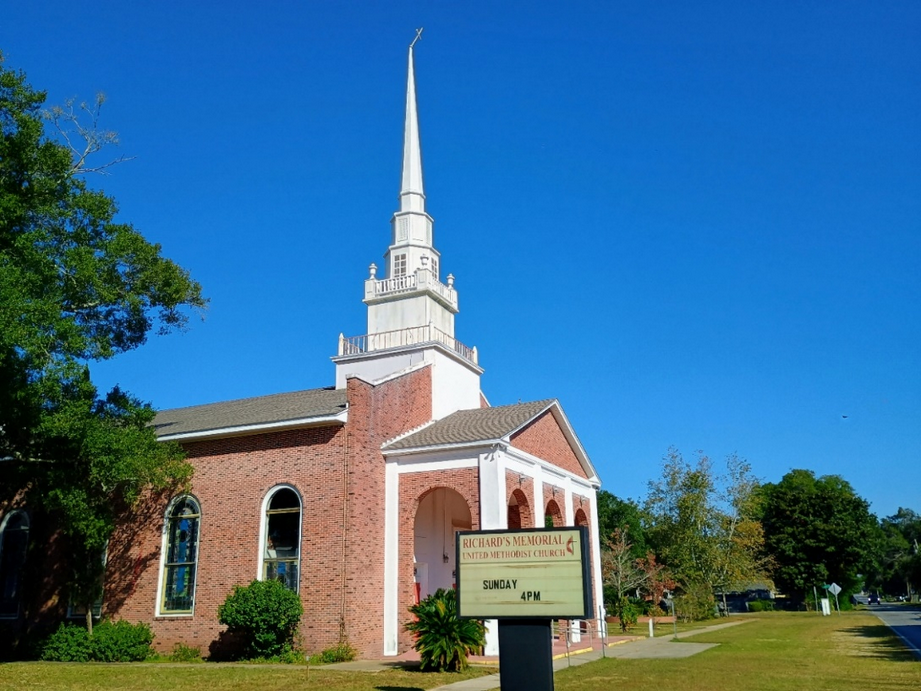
{"points": [[3, 527], [159, 611], [399, 265], [264, 526]]}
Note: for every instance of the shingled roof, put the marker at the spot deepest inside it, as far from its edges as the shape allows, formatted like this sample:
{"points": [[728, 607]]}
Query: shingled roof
{"points": [[275, 411], [470, 426]]}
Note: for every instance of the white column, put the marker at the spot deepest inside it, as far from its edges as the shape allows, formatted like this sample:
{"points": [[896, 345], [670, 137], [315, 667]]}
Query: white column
{"points": [[596, 556], [538, 497], [493, 515], [391, 557], [569, 516]]}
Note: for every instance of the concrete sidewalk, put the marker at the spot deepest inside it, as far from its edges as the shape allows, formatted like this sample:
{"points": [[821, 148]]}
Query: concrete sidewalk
{"points": [[661, 647]]}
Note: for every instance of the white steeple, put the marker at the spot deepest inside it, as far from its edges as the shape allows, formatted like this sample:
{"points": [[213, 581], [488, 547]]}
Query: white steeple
{"points": [[411, 243], [411, 294], [410, 311]]}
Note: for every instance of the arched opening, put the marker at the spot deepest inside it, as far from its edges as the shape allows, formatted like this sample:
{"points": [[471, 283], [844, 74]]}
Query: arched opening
{"points": [[441, 513], [519, 511], [181, 557], [281, 555], [553, 517], [14, 541], [581, 518]]}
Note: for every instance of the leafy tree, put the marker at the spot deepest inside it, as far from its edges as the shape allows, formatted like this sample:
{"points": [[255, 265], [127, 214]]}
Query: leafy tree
{"points": [[899, 567], [265, 614], [442, 640], [703, 526], [626, 515], [817, 531], [75, 286], [624, 574]]}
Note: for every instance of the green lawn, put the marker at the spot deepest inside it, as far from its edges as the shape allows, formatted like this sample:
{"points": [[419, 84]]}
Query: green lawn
{"points": [[774, 652], [243, 677]]}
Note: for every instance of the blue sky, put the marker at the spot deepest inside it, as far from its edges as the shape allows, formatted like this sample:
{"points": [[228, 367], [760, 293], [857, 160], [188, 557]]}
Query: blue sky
{"points": [[696, 224]]}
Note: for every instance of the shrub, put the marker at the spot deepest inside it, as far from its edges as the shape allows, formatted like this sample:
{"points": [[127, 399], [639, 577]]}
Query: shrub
{"points": [[695, 603], [121, 642], [70, 643], [185, 653], [343, 652], [442, 640], [761, 606], [265, 615], [110, 642], [627, 612]]}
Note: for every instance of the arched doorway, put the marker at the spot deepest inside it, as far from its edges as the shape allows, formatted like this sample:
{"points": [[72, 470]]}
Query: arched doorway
{"points": [[441, 513], [519, 511], [581, 518], [553, 517]]}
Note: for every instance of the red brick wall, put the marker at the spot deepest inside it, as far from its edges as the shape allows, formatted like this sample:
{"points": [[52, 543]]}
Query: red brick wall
{"points": [[232, 478], [375, 415], [413, 488], [544, 438], [524, 512], [339, 473]]}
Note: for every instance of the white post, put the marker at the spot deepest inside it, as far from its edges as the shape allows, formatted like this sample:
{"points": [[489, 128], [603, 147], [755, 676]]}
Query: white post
{"points": [[651, 634]]}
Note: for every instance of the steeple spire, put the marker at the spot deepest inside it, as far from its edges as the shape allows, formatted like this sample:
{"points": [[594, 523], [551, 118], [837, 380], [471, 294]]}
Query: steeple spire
{"points": [[412, 196]]}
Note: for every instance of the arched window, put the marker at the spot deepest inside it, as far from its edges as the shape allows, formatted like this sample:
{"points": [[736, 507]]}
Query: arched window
{"points": [[282, 538], [14, 539], [182, 535]]}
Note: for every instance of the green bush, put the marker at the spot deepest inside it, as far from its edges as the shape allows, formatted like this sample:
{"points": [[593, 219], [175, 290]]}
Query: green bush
{"points": [[442, 640], [121, 642], [185, 653], [265, 615], [111, 642], [341, 653], [696, 603], [761, 606], [70, 643], [627, 612]]}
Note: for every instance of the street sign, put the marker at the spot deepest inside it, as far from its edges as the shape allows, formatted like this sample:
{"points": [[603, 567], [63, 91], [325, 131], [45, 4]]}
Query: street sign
{"points": [[834, 589]]}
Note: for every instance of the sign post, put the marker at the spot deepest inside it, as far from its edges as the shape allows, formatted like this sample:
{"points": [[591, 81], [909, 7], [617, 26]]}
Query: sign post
{"points": [[525, 579], [834, 589]]}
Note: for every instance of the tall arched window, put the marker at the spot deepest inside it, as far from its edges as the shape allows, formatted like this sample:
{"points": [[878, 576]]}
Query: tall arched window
{"points": [[282, 539], [179, 567], [14, 539]]}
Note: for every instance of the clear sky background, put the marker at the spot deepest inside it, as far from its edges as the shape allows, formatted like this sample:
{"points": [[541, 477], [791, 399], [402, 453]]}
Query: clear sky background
{"points": [[695, 224]]}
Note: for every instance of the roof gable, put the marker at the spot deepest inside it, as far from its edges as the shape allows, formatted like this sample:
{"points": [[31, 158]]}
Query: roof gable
{"points": [[471, 426], [546, 438], [525, 423]]}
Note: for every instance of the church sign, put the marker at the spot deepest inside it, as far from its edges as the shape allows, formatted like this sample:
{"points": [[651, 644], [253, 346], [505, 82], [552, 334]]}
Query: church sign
{"points": [[524, 574]]}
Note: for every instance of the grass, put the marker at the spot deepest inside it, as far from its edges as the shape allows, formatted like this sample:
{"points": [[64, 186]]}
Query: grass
{"points": [[65, 676], [774, 652]]}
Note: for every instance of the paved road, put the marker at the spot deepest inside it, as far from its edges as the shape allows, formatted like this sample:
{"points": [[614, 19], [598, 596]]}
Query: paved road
{"points": [[905, 621]]}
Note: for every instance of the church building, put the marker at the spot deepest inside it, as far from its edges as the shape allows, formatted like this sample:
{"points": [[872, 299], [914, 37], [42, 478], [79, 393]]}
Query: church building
{"points": [[351, 494]]}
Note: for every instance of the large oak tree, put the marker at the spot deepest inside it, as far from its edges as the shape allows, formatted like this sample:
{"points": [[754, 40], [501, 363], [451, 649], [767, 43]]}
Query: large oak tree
{"points": [[76, 285], [817, 531]]}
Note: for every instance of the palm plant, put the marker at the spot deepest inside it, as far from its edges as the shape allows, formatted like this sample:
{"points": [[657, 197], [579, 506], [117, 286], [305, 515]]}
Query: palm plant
{"points": [[442, 640]]}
